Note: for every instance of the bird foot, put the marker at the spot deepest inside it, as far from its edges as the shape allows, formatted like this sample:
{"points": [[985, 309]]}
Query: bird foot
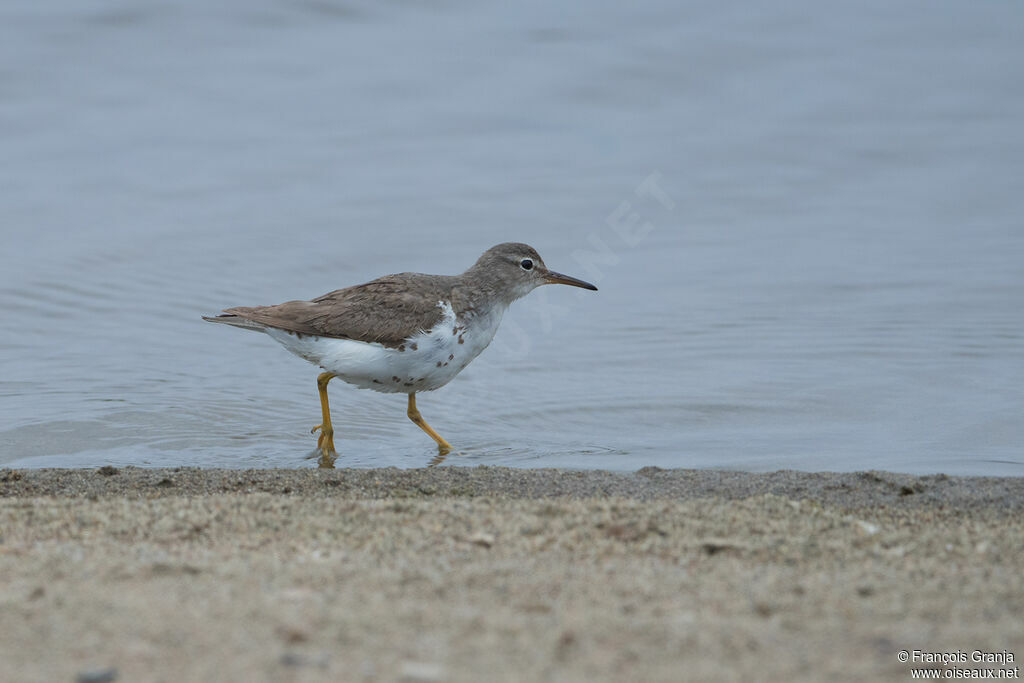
{"points": [[325, 444], [442, 455]]}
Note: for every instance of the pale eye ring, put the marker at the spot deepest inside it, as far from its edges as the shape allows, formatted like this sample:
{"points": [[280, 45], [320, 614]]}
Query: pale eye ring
{"points": [[526, 264]]}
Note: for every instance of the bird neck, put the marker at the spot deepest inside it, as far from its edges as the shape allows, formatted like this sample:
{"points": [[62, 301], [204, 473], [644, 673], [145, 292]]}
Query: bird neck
{"points": [[480, 291]]}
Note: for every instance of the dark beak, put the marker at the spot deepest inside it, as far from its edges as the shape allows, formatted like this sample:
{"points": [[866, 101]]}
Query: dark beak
{"points": [[553, 278]]}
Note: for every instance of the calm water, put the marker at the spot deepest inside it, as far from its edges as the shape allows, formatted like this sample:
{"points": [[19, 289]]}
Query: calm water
{"points": [[807, 224]]}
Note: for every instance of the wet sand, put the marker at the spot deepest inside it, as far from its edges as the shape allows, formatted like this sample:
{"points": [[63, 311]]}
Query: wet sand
{"points": [[499, 574]]}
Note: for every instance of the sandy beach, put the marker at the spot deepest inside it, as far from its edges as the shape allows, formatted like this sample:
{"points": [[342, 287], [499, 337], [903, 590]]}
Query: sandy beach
{"points": [[470, 574]]}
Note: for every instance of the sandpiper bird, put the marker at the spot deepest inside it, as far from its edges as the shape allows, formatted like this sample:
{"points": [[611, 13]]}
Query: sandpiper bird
{"points": [[401, 333]]}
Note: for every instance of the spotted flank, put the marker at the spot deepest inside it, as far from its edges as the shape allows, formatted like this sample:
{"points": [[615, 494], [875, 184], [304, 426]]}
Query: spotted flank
{"points": [[426, 361]]}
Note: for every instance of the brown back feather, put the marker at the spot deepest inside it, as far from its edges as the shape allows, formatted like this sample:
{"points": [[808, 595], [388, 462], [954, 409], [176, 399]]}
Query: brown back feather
{"points": [[387, 310]]}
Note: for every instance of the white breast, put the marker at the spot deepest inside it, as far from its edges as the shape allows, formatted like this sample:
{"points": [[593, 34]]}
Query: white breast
{"points": [[428, 360]]}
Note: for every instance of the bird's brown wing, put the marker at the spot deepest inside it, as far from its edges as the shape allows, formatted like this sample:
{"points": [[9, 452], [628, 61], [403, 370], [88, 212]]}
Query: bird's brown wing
{"points": [[387, 310]]}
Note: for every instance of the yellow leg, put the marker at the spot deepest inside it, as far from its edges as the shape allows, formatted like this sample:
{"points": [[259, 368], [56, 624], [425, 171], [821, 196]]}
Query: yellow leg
{"points": [[326, 441], [443, 446]]}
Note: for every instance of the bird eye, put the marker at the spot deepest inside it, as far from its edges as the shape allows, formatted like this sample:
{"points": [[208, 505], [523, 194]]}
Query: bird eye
{"points": [[526, 264]]}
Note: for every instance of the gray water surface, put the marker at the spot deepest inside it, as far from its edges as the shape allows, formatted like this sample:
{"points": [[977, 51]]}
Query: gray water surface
{"points": [[806, 222]]}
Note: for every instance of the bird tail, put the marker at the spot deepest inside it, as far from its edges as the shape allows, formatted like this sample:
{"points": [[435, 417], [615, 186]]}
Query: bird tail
{"points": [[236, 321]]}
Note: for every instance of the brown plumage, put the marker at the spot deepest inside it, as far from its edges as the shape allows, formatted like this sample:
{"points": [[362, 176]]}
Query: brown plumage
{"points": [[387, 310], [393, 308]]}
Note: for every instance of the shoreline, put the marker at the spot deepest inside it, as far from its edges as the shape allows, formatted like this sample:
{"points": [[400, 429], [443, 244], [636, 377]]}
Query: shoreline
{"points": [[844, 489], [459, 574]]}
